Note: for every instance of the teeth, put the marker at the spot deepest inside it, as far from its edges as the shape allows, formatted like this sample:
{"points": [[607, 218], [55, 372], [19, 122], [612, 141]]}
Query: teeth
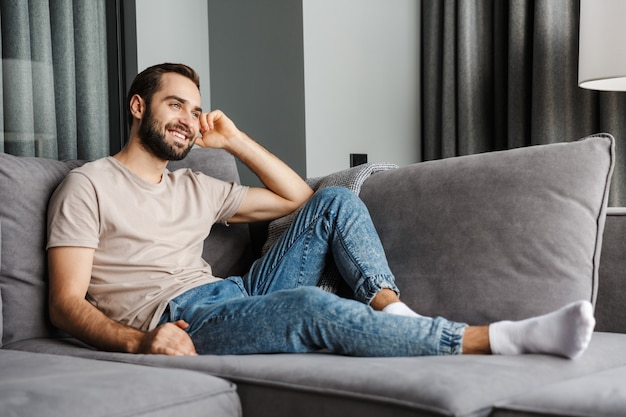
{"points": [[178, 135]]}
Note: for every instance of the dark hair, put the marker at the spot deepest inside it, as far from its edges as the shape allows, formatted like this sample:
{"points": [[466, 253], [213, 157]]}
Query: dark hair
{"points": [[148, 81]]}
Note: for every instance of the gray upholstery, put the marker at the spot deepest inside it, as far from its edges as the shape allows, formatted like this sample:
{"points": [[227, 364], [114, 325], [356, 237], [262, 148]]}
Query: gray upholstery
{"points": [[610, 309], [499, 223], [519, 230], [25, 186], [44, 385], [324, 384], [602, 394]]}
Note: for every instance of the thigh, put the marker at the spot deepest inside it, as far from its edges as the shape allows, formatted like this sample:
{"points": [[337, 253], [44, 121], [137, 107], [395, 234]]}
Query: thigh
{"points": [[183, 306], [333, 225], [308, 319], [273, 323], [299, 256]]}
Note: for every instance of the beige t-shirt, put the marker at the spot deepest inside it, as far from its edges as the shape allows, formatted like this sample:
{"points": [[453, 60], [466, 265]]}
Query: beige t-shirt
{"points": [[148, 238]]}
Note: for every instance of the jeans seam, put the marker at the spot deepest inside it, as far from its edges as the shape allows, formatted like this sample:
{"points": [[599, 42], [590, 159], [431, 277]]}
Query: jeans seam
{"points": [[292, 243]]}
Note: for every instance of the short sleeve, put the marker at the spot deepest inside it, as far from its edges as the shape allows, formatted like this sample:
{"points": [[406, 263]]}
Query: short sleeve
{"points": [[234, 198], [73, 214]]}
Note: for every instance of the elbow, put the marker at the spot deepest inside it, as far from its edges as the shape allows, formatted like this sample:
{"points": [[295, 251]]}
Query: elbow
{"points": [[304, 197], [57, 314], [54, 314]]}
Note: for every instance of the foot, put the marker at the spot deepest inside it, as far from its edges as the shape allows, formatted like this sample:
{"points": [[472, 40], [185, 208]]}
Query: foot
{"points": [[400, 309], [564, 332]]}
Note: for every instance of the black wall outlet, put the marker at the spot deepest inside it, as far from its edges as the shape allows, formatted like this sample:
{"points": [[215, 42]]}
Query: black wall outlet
{"points": [[357, 159]]}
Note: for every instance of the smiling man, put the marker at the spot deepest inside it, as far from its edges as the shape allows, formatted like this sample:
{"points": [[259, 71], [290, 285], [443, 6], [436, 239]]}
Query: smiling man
{"points": [[125, 245]]}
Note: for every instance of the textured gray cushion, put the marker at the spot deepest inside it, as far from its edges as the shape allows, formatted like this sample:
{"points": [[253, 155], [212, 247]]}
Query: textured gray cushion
{"points": [[227, 248], [500, 235], [25, 186], [601, 394], [34, 384], [332, 385]]}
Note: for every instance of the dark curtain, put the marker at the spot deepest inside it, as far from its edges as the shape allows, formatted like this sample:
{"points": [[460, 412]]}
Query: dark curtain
{"points": [[54, 97], [500, 74]]}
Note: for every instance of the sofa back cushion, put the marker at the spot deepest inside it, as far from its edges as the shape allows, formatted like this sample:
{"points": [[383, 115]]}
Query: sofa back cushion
{"points": [[500, 235], [25, 186]]}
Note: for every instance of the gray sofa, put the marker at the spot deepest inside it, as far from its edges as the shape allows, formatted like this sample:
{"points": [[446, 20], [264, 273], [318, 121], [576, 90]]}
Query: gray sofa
{"points": [[500, 235]]}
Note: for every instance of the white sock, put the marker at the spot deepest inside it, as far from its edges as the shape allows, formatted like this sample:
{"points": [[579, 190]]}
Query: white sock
{"points": [[565, 332], [400, 309]]}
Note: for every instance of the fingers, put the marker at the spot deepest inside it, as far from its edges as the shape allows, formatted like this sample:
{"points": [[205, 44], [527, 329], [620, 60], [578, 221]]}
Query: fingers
{"points": [[217, 130], [182, 324], [207, 121], [170, 339]]}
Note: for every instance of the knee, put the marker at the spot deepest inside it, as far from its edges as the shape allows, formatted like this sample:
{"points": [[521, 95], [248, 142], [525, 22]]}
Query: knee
{"points": [[341, 196]]}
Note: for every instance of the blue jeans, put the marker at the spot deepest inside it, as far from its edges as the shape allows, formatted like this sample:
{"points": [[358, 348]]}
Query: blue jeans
{"points": [[276, 306]]}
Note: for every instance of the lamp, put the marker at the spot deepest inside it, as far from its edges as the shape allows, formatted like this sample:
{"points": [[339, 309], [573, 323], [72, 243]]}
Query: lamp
{"points": [[602, 45]]}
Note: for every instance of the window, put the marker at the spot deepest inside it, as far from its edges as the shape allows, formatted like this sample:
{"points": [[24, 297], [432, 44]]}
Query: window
{"points": [[63, 68]]}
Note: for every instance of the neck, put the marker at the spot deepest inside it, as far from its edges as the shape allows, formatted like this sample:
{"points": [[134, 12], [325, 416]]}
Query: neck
{"points": [[140, 161]]}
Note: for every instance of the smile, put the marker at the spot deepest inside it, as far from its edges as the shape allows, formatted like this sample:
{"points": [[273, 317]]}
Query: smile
{"points": [[181, 137]]}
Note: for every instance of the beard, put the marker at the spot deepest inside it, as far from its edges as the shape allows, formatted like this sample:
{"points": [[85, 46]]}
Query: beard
{"points": [[152, 137]]}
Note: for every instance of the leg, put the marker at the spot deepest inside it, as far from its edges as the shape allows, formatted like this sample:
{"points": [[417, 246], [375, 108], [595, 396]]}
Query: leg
{"points": [[476, 340], [564, 332], [225, 320], [308, 319], [334, 221]]}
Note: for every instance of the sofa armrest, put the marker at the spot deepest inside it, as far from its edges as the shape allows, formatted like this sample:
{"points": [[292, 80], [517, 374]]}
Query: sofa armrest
{"points": [[610, 311]]}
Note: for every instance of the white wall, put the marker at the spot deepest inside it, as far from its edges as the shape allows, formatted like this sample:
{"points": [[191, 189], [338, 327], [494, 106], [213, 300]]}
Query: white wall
{"points": [[175, 31], [361, 70], [361, 64]]}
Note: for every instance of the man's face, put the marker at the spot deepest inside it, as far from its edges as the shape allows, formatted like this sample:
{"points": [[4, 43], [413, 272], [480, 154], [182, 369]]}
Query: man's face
{"points": [[170, 123]]}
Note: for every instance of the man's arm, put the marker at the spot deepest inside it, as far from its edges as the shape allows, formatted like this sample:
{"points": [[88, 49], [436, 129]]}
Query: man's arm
{"points": [[285, 191], [70, 273]]}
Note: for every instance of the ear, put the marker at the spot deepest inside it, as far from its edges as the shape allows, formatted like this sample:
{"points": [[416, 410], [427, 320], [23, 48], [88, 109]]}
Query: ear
{"points": [[137, 106]]}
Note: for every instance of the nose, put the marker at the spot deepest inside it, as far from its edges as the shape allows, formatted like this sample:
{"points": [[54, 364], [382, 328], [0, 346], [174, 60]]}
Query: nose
{"points": [[189, 121], [185, 119]]}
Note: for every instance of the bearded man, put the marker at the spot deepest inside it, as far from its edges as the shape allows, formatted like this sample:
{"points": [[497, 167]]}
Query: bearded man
{"points": [[126, 272]]}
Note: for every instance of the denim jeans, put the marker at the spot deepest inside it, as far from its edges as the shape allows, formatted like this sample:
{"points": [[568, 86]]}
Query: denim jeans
{"points": [[276, 306]]}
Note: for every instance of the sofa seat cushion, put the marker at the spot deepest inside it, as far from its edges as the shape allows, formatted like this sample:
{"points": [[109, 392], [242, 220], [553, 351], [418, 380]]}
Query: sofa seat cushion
{"points": [[496, 236], [332, 385], [601, 394], [34, 384]]}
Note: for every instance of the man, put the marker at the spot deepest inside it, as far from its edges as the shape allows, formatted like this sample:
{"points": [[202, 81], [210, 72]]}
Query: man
{"points": [[126, 273]]}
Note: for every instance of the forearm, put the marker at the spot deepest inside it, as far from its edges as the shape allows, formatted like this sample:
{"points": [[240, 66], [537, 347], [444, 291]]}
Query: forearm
{"points": [[85, 322], [274, 173]]}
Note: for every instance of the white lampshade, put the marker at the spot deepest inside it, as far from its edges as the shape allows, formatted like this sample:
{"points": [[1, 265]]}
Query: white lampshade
{"points": [[602, 46]]}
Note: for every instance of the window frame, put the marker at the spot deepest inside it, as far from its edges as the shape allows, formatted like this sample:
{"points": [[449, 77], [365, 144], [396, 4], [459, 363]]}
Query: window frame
{"points": [[122, 65]]}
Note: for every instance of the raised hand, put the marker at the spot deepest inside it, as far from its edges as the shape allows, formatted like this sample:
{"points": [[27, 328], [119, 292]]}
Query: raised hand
{"points": [[216, 129]]}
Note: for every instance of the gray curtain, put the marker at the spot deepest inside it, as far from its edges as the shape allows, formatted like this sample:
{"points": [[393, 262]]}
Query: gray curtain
{"points": [[54, 95], [500, 74]]}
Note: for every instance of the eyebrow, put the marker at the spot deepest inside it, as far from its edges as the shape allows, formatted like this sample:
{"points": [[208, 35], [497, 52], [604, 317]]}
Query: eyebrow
{"points": [[182, 100]]}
